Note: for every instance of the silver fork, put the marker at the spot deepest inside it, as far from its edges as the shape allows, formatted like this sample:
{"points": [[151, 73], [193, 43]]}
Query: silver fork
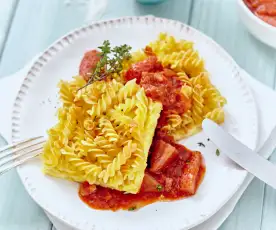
{"points": [[16, 154]]}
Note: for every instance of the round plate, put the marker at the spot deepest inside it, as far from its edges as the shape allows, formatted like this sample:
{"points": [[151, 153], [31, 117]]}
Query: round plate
{"points": [[37, 102]]}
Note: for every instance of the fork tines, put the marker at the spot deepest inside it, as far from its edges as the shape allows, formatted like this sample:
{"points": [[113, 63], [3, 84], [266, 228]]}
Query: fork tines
{"points": [[17, 153]]}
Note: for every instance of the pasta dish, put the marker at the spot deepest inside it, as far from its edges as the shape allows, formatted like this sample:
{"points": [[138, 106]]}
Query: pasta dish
{"points": [[121, 117]]}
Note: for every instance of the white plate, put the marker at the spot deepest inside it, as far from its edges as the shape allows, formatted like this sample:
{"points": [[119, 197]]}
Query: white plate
{"points": [[34, 111]]}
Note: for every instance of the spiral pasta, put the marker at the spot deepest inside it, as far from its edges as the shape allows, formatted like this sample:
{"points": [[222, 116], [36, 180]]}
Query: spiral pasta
{"points": [[105, 130], [207, 102], [100, 134], [178, 55]]}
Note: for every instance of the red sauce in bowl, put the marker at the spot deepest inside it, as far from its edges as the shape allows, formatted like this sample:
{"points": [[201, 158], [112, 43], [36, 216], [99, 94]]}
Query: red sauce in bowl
{"points": [[264, 9]]}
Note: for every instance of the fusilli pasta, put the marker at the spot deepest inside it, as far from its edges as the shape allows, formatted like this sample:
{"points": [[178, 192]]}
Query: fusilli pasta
{"points": [[207, 101], [105, 130], [103, 134]]}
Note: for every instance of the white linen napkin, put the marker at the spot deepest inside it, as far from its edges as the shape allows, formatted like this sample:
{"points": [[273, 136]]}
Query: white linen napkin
{"points": [[267, 113]]}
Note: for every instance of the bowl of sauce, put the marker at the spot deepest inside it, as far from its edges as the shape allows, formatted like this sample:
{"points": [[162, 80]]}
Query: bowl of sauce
{"points": [[259, 16]]}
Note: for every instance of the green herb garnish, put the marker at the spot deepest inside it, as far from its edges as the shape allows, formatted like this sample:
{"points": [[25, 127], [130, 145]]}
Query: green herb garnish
{"points": [[217, 152], [159, 188], [111, 61], [131, 208], [200, 144]]}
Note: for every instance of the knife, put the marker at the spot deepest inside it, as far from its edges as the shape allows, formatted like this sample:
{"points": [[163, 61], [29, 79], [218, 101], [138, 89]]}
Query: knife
{"points": [[241, 154]]}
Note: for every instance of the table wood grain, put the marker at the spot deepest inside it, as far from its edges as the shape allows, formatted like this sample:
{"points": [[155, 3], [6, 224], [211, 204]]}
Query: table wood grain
{"points": [[28, 26]]}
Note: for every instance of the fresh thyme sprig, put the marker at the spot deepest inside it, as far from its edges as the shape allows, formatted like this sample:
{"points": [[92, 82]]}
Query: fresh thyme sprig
{"points": [[111, 61]]}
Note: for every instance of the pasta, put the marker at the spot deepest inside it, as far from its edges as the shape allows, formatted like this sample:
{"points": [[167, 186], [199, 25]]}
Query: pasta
{"points": [[101, 133], [107, 127], [207, 101], [179, 55]]}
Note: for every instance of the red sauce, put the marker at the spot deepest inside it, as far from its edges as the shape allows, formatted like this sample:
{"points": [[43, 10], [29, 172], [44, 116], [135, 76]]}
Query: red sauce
{"points": [[160, 84], [171, 184], [166, 89], [173, 171], [150, 65], [264, 9], [108, 199]]}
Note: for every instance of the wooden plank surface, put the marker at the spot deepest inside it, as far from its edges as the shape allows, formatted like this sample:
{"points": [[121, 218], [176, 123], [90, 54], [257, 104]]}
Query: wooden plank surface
{"points": [[18, 211], [7, 12], [269, 205], [35, 25], [30, 26], [219, 20], [174, 9]]}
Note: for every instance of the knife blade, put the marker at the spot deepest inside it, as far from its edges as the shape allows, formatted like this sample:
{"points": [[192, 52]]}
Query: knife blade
{"points": [[241, 154]]}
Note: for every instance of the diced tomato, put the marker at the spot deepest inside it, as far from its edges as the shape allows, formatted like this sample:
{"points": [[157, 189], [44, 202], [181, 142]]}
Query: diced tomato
{"points": [[168, 184], [165, 87], [132, 74], [151, 64], [162, 135], [163, 154], [149, 184], [154, 79], [86, 189], [177, 102], [184, 153], [190, 174], [88, 63]]}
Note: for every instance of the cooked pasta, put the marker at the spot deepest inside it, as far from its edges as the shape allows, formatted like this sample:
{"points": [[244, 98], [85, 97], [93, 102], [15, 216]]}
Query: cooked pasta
{"points": [[207, 101], [108, 126], [189, 66], [101, 132], [178, 55]]}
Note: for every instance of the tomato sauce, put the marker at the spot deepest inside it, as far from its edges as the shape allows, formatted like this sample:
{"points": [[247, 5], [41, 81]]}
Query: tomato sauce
{"points": [[264, 9], [160, 84], [167, 187], [173, 171]]}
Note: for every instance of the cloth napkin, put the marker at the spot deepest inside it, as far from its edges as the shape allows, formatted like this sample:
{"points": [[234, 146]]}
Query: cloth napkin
{"points": [[267, 122]]}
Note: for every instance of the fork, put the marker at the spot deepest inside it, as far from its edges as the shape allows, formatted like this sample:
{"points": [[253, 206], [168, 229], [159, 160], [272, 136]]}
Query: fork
{"points": [[16, 154]]}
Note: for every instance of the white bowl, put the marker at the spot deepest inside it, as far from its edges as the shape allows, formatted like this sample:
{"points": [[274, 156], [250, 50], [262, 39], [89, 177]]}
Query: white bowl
{"points": [[260, 29]]}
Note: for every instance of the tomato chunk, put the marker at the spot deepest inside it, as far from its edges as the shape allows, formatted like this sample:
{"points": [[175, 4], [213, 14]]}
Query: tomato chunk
{"points": [[87, 189], [165, 87], [162, 155], [184, 153], [190, 174], [151, 64], [149, 184]]}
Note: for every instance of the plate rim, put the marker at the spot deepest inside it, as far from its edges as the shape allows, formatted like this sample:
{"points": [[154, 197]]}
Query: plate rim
{"points": [[58, 45]]}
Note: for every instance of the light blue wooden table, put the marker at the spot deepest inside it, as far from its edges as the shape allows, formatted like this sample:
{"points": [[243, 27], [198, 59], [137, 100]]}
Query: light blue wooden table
{"points": [[29, 26]]}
